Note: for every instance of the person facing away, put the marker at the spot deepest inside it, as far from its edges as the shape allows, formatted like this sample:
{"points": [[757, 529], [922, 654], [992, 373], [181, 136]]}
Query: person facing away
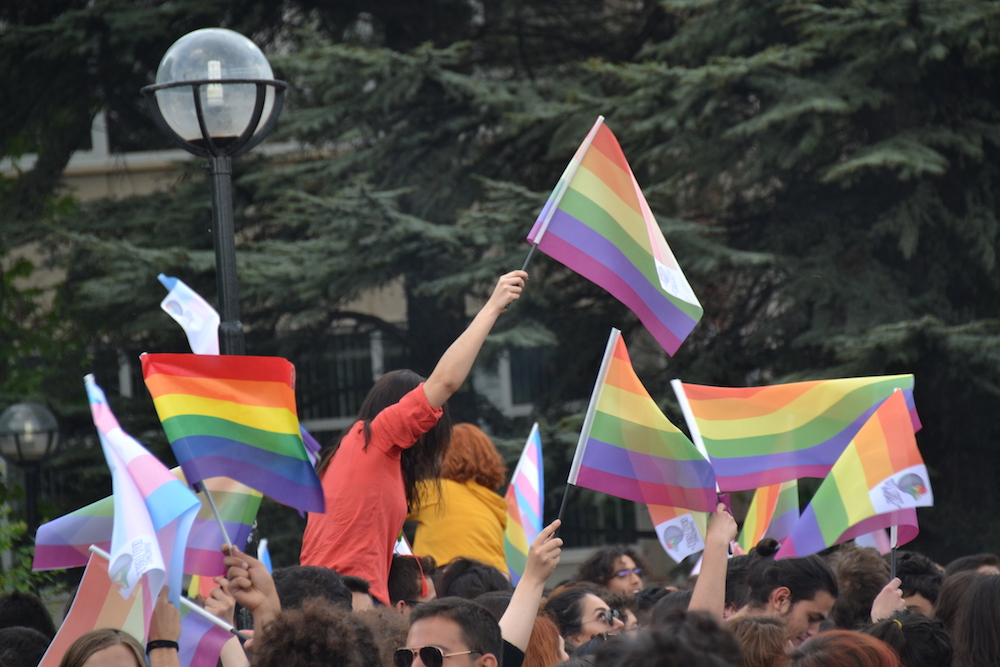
{"points": [[799, 591], [370, 475], [463, 515]]}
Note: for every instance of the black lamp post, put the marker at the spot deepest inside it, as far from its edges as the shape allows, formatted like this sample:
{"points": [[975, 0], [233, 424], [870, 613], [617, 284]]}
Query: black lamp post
{"points": [[29, 434], [215, 97]]}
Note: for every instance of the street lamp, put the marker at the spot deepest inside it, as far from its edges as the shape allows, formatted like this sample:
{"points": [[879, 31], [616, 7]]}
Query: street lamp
{"points": [[215, 97], [29, 434]]}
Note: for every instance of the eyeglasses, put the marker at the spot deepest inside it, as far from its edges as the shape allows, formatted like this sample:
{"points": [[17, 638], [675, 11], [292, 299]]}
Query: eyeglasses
{"points": [[621, 574], [431, 656], [609, 616]]}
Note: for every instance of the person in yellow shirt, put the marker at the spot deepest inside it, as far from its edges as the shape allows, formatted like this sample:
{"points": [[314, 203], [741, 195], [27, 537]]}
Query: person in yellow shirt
{"points": [[464, 515]]}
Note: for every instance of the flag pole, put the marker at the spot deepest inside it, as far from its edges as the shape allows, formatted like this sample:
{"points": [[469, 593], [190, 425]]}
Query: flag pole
{"points": [[699, 444], [545, 217], [893, 543], [201, 488], [186, 603]]}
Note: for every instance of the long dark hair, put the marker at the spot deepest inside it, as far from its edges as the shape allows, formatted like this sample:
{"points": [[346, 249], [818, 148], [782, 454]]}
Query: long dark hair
{"points": [[421, 461]]}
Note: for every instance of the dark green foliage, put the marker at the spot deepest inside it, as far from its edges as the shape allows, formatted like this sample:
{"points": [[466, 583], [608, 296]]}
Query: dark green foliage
{"points": [[826, 174]]}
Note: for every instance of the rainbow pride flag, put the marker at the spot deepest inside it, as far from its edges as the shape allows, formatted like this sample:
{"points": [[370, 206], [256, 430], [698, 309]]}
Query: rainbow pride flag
{"points": [[235, 416], [761, 436], [525, 501], [98, 605], [153, 510], [65, 542], [629, 449], [597, 223], [681, 532], [877, 482], [773, 512]]}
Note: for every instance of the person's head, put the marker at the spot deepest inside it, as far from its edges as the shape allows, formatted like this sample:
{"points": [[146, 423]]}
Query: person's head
{"points": [[297, 583], [27, 643], [670, 602], [317, 634], [472, 456], [920, 580], [686, 639], [838, 648], [469, 578], [389, 630], [763, 642], [496, 602], [419, 462], [26, 610], [737, 589], [800, 591], [410, 583], [986, 563], [861, 574], [107, 647], [646, 600], [580, 614], [546, 646], [451, 632], [627, 606], [617, 568], [917, 640], [952, 595], [974, 634], [361, 597]]}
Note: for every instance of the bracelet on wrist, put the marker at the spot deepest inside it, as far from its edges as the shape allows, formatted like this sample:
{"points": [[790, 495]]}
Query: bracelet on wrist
{"points": [[160, 643]]}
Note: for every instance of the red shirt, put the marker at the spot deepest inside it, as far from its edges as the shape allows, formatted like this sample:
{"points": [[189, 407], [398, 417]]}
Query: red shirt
{"points": [[365, 495]]}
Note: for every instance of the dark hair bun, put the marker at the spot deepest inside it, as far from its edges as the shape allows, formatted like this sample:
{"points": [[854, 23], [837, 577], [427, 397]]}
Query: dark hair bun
{"points": [[767, 547]]}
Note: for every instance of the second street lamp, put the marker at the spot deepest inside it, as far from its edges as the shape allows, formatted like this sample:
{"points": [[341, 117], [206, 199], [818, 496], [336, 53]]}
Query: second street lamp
{"points": [[215, 97]]}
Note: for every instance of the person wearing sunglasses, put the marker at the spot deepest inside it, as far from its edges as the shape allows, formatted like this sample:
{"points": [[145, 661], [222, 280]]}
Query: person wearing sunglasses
{"points": [[582, 614], [451, 632], [617, 568]]}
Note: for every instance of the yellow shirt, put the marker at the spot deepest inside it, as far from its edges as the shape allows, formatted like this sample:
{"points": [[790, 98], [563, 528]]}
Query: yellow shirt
{"points": [[466, 520]]}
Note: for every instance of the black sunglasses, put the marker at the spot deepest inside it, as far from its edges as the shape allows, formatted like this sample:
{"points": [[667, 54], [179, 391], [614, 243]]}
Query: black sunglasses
{"points": [[609, 616], [431, 656]]}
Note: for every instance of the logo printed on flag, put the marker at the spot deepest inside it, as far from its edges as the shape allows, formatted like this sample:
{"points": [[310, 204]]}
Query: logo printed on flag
{"points": [[597, 223], [877, 482], [681, 533], [628, 448], [198, 319]]}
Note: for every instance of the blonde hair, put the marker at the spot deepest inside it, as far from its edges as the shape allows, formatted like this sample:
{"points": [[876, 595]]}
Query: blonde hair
{"points": [[97, 640]]}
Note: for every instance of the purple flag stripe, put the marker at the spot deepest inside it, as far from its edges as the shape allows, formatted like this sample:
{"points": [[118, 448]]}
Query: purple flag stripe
{"points": [[768, 477], [669, 324], [647, 467], [699, 500], [60, 557], [280, 488]]}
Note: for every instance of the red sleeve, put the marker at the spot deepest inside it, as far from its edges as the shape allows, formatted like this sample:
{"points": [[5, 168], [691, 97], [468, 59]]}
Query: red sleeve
{"points": [[401, 425]]}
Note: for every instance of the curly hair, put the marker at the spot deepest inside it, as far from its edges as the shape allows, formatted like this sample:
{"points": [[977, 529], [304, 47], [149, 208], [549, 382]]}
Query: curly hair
{"points": [[389, 629], [600, 568], [861, 574], [316, 635], [473, 456]]}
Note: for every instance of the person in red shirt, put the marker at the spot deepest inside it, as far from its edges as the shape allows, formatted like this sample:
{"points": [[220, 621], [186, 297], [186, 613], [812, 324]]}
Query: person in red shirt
{"points": [[370, 475]]}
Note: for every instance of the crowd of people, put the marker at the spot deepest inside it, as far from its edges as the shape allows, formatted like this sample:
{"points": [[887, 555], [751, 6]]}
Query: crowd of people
{"points": [[353, 602]]}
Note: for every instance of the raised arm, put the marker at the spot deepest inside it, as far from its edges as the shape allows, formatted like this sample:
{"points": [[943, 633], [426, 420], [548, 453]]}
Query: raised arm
{"points": [[710, 589], [543, 556], [252, 586], [164, 626], [457, 360]]}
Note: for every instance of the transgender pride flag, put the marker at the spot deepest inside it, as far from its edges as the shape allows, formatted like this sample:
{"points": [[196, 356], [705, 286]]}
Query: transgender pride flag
{"points": [[597, 223], [629, 449], [153, 510], [525, 502]]}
